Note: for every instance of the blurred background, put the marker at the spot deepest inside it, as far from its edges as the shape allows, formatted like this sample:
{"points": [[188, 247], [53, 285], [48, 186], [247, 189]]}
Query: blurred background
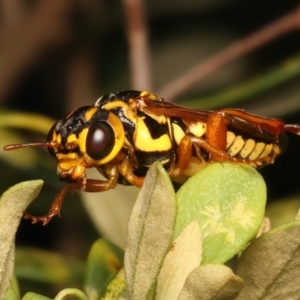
{"points": [[56, 55]]}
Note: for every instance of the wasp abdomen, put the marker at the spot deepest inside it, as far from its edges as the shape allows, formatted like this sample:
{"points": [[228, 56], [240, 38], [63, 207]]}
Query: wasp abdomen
{"points": [[238, 146]]}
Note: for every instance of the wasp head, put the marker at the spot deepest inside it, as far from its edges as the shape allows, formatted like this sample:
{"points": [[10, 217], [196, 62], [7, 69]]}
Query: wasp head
{"points": [[87, 137]]}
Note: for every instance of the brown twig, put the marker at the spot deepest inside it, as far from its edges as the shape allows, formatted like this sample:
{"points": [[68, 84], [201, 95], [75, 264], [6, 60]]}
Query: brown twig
{"points": [[11, 12], [137, 36], [272, 31], [23, 40], [80, 80]]}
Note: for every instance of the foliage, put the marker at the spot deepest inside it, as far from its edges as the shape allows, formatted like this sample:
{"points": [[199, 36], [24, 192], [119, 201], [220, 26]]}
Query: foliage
{"points": [[177, 247], [177, 244]]}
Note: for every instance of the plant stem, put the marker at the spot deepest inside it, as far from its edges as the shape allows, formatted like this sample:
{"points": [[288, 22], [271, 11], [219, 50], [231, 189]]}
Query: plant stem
{"points": [[289, 22], [137, 37]]}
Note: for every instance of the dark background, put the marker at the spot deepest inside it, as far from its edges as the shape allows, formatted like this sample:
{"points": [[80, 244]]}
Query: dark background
{"points": [[78, 50]]}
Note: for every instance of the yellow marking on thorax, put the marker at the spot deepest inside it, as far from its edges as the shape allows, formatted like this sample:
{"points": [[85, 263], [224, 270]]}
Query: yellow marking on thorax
{"points": [[158, 118], [177, 132], [151, 96], [144, 141], [114, 104], [90, 113], [128, 112], [197, 129]]}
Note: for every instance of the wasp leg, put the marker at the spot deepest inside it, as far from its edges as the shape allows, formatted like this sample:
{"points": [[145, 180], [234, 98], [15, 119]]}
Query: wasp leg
{"points": [[184, 155], [56, 205], [126, 170], [216, 136], [215, 144], [87, 185], [216, 155], [185, 152]]}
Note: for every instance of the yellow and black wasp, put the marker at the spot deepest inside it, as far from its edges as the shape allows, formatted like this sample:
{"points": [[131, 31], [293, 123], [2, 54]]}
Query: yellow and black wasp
{"points": [[123, 134]]}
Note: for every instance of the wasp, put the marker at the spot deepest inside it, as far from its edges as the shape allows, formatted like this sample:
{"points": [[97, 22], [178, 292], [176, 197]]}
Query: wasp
{"points": [[124, 133]]}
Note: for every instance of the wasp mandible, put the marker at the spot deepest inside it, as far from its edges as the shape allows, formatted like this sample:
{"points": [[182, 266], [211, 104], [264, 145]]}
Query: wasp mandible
{"points": [[124, 133]]}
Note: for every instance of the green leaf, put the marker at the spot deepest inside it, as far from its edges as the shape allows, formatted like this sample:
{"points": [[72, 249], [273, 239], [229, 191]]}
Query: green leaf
{"points": [[150, 233], [12, 206], [212, 282], [116, 288], [270, 265], [14, 119], [13, 292], [71, 294], [104, 261], [283, 210], [46, 266], [110, 211], [34, 296], [183, 257], [228, 200], [28, 158]]}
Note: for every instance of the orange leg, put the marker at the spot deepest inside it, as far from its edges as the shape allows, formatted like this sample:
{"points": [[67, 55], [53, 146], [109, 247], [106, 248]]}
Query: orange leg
{"points": [[87, 185], [221, 155], [184, 154], [216, 133], [126, 170], [216, 155], [214, 144]]}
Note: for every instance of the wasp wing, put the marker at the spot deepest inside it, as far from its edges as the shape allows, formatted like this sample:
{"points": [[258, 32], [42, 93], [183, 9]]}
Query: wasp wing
{"points": [[239, 121], [177, 111]]}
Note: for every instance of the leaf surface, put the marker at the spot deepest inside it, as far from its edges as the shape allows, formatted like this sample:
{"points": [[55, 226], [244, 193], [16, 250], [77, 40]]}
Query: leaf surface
{"points": [[183, 257], [270, 264], [150, 233], [12, 206], [104, 262], [228, 200]]}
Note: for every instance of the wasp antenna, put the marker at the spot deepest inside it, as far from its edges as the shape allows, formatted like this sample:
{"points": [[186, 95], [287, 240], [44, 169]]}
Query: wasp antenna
{"points": [[294, 128], [18, 146]]}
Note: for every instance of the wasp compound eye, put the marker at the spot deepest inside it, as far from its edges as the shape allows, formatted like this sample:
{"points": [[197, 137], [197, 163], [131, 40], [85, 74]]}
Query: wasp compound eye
{"points": [[100, 140]]}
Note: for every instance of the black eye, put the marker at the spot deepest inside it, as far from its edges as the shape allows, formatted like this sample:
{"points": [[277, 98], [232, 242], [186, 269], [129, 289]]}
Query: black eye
{"points": [[100, 140]]}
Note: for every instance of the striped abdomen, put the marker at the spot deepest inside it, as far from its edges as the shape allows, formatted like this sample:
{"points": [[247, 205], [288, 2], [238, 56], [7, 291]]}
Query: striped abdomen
{"points": [[247, 148]]}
